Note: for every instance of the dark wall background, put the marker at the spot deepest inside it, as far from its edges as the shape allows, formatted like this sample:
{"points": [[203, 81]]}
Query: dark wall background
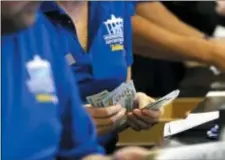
{"points": [[199, 14]]}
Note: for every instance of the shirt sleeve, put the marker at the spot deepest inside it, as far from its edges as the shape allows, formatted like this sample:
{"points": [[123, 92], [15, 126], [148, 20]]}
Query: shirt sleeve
{"points": [[78, 138]]}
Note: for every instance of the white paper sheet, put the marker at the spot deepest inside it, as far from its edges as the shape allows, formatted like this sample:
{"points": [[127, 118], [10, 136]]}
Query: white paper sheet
{"points": [[193, 120]]}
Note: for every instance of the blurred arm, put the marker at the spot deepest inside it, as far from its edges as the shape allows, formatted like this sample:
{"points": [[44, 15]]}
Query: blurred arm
{"points": [[157, 13], [171, 46]]}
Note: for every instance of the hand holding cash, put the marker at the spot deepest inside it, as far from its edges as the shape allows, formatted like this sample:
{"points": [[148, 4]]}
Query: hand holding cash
{"points": [[143, 119], [149, 111], [123, 95], [142, 111], [105, 119]]}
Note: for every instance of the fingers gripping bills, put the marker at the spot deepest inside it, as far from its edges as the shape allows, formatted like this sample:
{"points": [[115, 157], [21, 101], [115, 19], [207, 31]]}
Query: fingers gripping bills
{"points": [[125, 96], [167, 99]]}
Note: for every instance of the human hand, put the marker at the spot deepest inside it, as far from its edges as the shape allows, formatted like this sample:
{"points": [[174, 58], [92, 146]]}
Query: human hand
{"points": [[140, 118], [106, 118]]}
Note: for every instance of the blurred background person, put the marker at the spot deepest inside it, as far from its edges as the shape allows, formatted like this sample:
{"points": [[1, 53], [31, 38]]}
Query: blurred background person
{"points": [[195, 19], [42, 117], [160, 34]]}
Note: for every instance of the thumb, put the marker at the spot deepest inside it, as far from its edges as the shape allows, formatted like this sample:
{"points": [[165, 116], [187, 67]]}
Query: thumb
{"points": [[143, 99]]}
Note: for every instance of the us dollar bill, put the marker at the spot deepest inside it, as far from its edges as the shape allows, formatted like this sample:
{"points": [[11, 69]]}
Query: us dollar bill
{"points": [[131, 95], [123, 95], [162, 102], [108, 100], [126, 96], [96, 99]]}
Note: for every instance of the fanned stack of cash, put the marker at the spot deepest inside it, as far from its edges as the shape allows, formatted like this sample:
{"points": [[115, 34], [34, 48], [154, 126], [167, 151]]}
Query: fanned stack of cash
{"points": [[123, 95], [162, 102]]}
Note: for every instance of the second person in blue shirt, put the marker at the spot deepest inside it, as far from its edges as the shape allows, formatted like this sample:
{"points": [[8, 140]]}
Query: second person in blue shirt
{"points": [[100, 37]]}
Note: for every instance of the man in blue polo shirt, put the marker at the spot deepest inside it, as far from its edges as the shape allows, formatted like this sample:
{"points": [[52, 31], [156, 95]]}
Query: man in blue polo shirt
{"points": [[100, 36], [40, 102]]}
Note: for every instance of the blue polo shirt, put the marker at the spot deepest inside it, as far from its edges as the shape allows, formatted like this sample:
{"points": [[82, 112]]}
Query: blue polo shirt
{"points": [[42, 116], [104, 65]]}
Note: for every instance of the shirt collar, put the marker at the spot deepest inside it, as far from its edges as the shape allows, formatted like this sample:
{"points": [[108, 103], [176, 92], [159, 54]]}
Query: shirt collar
{"points": [[50, 6]]}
